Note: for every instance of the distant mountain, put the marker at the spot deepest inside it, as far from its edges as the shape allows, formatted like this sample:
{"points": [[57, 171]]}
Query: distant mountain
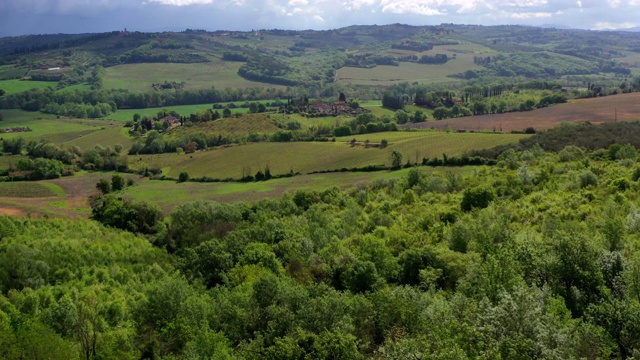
{"points": [[631, 29], [556, 26]]}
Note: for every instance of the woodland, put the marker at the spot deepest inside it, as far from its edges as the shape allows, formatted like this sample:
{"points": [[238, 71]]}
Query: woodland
{"points": [[529, 250]]}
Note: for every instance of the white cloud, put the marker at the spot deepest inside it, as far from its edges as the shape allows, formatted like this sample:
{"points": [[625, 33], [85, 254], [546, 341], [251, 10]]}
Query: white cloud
{"points": [[530, 15], [356, 4], [411, 7], [182, 2]]}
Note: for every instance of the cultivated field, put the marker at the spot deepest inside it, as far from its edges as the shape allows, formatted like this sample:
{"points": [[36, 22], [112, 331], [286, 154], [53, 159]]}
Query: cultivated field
{"points": [[305, 157], [48, 127], [234, 126], [218, 73], [107, 136], [69, 196], [623, 107], [169, 194], [410, 72], [63, 197], [16, 86], [183, 110]]}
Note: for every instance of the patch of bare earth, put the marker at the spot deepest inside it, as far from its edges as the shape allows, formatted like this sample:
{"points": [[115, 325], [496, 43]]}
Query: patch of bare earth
{"points": [[622, 107]]}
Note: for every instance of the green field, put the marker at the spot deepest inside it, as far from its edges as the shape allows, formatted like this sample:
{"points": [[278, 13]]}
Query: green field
{"points": [[108, 136], [16, 86], [8, 161], [76, 87], [234, 126], [30, 189], [307, 157], [218, 73], [183, 110], [169, 194], [410, 72], [49, 127]]}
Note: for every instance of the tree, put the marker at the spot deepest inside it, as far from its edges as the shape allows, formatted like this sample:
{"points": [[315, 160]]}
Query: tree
{"points": [[401, 116], [117, 182], [396, 159], [419, 116], [184, 176], [226, 113], [441, 112], [104, 186], [478, 198]]}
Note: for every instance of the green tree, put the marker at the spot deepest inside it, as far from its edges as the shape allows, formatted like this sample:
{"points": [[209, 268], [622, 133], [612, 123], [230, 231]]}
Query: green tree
{"points": [[441, 112], [396, 159], [117, 182], [104, 186], [184, 176], [477, 198]]}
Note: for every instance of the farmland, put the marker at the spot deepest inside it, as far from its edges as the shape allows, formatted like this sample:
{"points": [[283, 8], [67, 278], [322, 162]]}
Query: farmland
{"points": [[48, 127], [304, 157], [16, 86], [140, 77], [155, 191], [183, 110], [235, 126], [623, 107], [409, 72]]}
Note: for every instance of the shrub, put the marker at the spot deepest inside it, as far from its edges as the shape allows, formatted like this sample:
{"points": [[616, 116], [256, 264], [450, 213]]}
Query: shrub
{"points": [[588, 178], [184, 176], [478, 198]]}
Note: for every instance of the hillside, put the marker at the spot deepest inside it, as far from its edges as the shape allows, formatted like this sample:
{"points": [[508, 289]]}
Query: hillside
{"points": [[277, 57]]}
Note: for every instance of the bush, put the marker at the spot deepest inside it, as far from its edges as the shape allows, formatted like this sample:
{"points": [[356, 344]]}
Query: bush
{"points": [[184, 176], [117, 182], [137, 217], [478, 198], [588, 178]]}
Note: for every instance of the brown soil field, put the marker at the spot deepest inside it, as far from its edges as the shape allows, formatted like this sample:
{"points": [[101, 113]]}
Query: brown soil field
{"points": [[75, 204], [622, 107]]}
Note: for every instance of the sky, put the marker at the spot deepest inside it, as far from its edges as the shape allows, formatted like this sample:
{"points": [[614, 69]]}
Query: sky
{"points": [[21, 17]]}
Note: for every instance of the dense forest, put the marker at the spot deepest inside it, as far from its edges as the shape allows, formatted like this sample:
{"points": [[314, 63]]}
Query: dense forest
{"points": [[535, 257]]}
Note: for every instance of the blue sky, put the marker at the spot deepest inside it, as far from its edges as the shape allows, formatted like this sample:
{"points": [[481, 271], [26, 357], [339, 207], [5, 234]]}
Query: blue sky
{"points": [[19, 17]]}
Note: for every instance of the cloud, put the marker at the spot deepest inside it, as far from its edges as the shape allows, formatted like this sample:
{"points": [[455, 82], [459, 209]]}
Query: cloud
{"points": [[427, 8], [182, 2], [530, 15]]}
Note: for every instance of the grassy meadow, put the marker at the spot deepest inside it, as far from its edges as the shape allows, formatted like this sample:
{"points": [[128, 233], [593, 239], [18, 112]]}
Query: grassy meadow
{"points": [[30, 189], [410, 72], [305, 157], [235, 126], [107, 136], [64, 131], [218, 73], [169, 194], [15, 86], [184, 110]]}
